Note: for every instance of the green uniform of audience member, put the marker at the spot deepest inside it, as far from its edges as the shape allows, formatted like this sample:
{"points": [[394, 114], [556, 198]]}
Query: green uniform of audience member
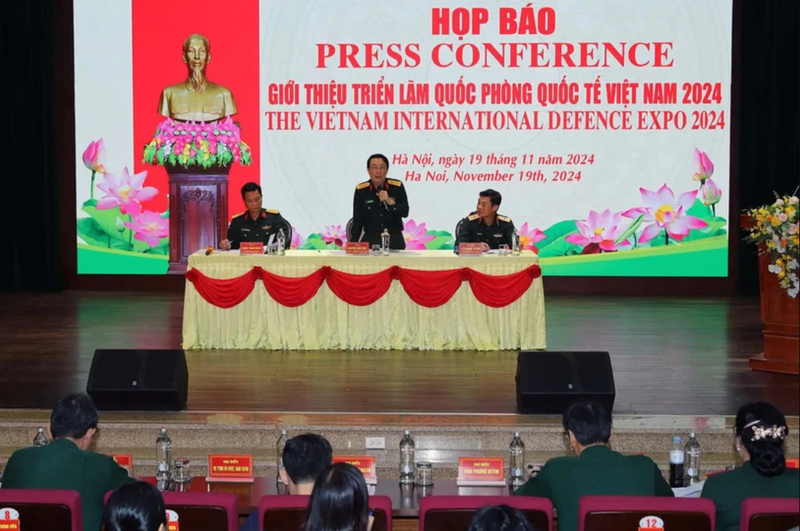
{"points": [[65, 464], [760, 434], [597, 471]]}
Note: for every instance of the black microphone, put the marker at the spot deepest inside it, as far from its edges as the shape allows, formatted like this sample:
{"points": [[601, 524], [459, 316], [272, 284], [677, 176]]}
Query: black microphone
{"points": [[380, 189]]}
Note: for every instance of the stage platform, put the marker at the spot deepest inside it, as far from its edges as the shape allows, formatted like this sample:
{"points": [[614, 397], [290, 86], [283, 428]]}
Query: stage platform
{"points": [[670, 357]]}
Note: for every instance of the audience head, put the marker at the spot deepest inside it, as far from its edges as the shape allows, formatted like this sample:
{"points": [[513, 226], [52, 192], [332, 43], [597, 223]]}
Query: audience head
{"points": [[760, 433], [587, 424], [340, 501], [74, 417], [305, 457], [135, 507], [500, 518]]}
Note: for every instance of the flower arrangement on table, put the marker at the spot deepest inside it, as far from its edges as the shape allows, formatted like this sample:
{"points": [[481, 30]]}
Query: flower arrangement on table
{"points": [[197, 144], [777, 233]]}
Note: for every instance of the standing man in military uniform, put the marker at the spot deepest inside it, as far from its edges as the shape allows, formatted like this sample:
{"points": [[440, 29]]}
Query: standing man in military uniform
{"points": [[485, 225], [255, 224], [379, 204]]}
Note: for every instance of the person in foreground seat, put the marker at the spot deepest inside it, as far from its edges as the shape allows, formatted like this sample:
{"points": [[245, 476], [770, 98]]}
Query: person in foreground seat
{"points": [[500, 518], [138, 506], [305, 457], [340, 501], [760, 434], [595, 471], [66, 462]]}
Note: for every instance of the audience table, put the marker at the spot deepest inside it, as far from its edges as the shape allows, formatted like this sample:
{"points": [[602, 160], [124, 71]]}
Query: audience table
{"points": [[394, 321], [405, 498]]}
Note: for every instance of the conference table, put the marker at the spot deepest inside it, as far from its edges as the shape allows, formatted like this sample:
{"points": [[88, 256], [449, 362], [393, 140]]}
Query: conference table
{"points": [[320, 300], [405, 498]]}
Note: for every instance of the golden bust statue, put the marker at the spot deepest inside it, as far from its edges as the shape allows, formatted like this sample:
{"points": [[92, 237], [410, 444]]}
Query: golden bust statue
{"points": [[196, 99]]}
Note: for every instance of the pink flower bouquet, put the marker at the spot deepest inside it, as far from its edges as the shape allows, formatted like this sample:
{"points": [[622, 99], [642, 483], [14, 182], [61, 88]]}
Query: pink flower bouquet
{"points": [[197, 144]]}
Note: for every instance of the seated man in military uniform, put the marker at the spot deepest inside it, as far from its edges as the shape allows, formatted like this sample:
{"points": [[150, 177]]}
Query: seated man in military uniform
{"points": [[255, 224], [379, 204], [485, 225]]}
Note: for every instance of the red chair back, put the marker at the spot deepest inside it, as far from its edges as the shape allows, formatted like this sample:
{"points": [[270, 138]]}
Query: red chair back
{"points": [[288, 513], [763, 514], [455, 513], [54, 510], [211, 511], [612, 513]]}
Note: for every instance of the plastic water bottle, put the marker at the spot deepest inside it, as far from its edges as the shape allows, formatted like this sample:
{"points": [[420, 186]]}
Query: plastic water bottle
{"points": [[516, 462], [40, 439], [515, 245], [281, 243], [279, 448], [407, 449], [385, 242], [163, 456], [677, 458], [692, 460]]}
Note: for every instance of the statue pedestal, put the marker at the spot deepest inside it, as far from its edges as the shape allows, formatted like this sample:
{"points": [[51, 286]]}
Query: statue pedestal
{"points": [[198, 212]]}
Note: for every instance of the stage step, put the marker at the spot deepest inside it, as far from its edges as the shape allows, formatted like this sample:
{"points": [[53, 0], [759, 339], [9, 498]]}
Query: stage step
{"points": [[441, 439]]}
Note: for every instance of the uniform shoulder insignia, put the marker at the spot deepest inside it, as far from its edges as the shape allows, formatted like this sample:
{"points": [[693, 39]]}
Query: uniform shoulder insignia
{"points": [[363, 185], [473, 217], [505, 219], [273, 211], [394, 182], [239, 215]]}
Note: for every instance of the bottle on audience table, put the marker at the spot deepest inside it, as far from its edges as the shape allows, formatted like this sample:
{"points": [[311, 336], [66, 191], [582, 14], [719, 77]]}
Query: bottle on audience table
{"points": [[692, 460], [516, 462], [677, 458], [385, 242], [281, 243], [279, 448], [407, 450], [515, 243], [41, 438], [163, 456]]}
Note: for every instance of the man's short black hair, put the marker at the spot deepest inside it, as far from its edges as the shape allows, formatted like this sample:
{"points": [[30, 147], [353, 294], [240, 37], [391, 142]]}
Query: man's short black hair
{"points": [[493, 195], [251, 187], [378, 156], [306, 456], [73, 416], [590, 422]]}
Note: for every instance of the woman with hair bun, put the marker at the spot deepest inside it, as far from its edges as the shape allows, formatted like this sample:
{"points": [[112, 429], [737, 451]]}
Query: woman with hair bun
{"points": [[760, 434]]}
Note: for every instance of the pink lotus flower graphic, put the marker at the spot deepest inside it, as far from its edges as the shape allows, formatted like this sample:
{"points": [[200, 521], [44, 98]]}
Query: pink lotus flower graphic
{"points": [[663, 211], [599, 232], [94, 157], [416, 235], [149, 227], [711, 195], [528, 238], [125, 191], [297, 239], [702, 166], [334, 234]]}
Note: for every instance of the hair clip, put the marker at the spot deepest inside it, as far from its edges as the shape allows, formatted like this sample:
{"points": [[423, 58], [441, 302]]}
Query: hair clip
{"points": [[775, 433]]}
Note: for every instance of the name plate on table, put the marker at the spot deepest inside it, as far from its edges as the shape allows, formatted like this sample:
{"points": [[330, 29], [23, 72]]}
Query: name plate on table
{"points": [[481, 472], [250, 248], [9, 519], [793, 463], [366, 465], [358, 248], [123, 460], [230, 468], [470, 249]]}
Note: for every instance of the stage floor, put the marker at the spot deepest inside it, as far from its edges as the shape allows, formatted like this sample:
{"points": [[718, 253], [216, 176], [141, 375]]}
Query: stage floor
{"points": [[670, 356]]}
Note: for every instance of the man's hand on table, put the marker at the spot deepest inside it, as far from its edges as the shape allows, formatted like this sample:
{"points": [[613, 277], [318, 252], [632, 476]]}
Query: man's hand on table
{"points": [[225, 245]]}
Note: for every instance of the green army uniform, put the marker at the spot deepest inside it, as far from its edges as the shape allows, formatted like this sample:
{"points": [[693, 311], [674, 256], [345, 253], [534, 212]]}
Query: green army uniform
{"points": [[244, 228], [62, 465], [473, 229], [597, 472], [730, 489], [372, 216]]}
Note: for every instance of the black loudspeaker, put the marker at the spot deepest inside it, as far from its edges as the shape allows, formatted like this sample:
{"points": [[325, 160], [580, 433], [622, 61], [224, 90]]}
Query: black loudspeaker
{"points": [[549, 382], [139, 380]]}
